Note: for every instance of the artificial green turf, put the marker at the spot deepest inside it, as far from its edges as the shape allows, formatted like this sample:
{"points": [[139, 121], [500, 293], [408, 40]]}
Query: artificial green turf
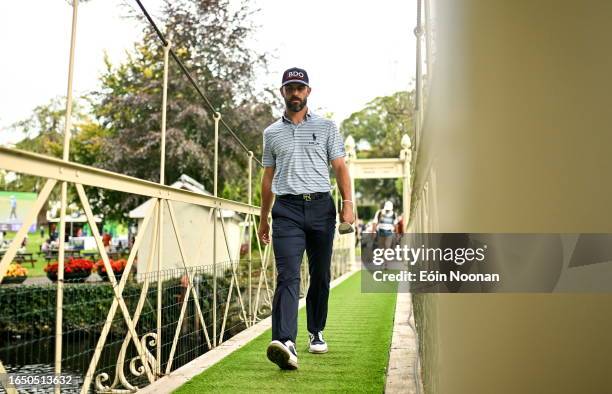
{"points": [[358, 333]]}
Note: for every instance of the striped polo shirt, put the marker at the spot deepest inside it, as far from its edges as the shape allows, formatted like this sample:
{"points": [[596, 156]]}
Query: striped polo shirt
{"points": [[301, 154]]}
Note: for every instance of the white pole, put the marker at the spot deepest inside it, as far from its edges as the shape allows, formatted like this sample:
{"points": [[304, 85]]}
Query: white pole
{"points": [[64, 197], [217, 117], [406, 156], [351, 156], [250, 224], [418, 32], [162, 180], [162, 167]]}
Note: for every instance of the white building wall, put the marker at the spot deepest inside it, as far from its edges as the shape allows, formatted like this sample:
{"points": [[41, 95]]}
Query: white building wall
{"points": [[195, 225]]}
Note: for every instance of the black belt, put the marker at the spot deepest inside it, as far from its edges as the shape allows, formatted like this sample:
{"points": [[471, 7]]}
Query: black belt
{"points": [[304, 197]]}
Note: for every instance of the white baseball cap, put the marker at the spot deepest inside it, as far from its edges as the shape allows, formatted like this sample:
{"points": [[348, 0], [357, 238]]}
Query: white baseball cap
{"points": [[388, 206]]}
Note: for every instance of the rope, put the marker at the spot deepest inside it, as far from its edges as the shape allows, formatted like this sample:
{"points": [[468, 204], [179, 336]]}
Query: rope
{"points": [[192, 80]]}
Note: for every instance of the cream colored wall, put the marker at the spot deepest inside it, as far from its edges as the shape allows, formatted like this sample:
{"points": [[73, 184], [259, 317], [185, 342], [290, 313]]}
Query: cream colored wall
{"points": [[196, 229], [517, 129]]}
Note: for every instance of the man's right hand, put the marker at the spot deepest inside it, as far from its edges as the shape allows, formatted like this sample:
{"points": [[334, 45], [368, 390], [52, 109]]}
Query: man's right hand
{"points": [[264, 231]]}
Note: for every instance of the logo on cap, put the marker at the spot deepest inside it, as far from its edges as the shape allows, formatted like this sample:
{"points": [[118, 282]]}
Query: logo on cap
{"points": [[295, 75]]}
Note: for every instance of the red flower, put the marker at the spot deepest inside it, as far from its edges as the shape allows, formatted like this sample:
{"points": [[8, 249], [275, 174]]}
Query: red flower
{"points": [[116, 265], [70, 266]]}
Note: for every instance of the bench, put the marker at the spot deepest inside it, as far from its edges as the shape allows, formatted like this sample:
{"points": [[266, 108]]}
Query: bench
{"points": [[25, 258]]}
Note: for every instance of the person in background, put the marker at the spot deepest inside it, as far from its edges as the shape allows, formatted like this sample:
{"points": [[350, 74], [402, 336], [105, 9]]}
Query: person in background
{"points": [[53, 234], [13, 204], [384, 225], [106, 241], [46, 245]]}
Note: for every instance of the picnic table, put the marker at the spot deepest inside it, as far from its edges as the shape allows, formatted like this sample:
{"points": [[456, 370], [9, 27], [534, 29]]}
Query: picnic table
{"points": [[25, 258], [90, 255], [53, 254], [21, 257]]}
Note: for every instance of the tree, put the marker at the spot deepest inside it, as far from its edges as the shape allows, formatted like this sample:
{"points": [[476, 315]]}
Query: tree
{"points": [[44, 134], [381, 124], [211, 41]]}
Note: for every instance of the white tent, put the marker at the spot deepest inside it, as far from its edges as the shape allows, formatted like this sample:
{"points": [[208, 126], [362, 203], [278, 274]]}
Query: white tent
{"points": [[196, 229]]}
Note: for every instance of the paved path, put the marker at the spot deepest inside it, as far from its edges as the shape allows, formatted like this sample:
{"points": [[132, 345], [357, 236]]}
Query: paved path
{"points": [[403, 374]]}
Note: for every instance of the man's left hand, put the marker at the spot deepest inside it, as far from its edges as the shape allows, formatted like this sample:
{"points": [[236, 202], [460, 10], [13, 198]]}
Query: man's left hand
{"points": [[346, 215]]}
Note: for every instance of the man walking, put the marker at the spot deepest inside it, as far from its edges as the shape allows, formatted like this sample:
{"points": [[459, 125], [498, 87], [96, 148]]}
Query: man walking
{"points": [[13, 204], [385, 222], [298, 149]]}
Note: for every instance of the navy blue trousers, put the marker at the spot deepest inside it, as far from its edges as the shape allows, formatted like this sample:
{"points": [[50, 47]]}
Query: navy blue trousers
{"points": [[299, 226]]}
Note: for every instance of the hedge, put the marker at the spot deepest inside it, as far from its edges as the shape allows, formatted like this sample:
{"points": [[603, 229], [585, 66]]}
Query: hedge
{"points": [[29, 310]]}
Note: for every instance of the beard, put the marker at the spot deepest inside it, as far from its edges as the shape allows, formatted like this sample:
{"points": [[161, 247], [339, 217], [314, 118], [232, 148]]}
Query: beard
{"points": [[295, 106]]}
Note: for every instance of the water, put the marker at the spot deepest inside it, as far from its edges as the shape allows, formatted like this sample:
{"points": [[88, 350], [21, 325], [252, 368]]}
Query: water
{"points": [[35, 358]]}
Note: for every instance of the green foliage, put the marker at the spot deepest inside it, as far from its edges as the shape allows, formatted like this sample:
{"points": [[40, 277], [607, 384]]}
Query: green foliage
{"points": [[30, 309], [211, 41], [237, 189], [44, 131], [367, 212], [382, 123]]}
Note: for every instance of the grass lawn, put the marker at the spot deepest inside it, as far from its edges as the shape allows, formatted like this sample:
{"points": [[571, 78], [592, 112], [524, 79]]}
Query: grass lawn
{"points": [[358, 332], [33, 246]]}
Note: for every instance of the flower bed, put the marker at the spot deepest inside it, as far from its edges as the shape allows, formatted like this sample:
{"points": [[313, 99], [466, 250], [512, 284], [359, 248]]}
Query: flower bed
{"points": [[75, 270], [118, 266], [15, 274]]}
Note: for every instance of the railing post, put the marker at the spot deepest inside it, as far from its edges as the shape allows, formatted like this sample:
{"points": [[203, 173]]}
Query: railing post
{"points": [[340, 240], [162, 181], [162, 174], [418, 32], [250, 224], [406, 156], [351, 156], [217, 118], [64, 197], [60, 285]]}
